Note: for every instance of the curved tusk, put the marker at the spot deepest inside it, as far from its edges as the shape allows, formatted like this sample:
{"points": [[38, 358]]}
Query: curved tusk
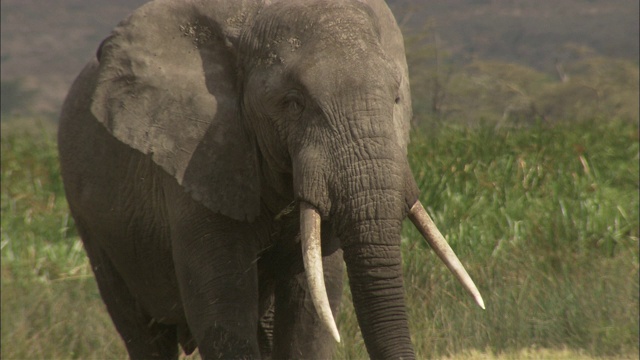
{"points": [[312, 256], [428, 229]]}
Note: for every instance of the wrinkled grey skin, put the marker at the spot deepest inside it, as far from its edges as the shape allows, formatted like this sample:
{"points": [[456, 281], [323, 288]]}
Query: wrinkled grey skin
{"points": [[187, 145]]}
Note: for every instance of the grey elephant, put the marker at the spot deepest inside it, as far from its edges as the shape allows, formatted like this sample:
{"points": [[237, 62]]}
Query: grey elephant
{"points": [[222, 161]]}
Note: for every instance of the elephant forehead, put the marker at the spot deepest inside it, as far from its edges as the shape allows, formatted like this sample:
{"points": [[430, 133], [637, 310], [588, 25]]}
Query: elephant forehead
{"points": [[365, 78], [287, 27]]}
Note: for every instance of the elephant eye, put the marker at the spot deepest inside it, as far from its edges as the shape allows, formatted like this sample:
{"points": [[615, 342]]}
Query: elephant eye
{"points": [[294, 103], [398, 100]]}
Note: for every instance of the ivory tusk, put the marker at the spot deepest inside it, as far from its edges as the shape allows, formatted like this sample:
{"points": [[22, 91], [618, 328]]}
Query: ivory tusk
{"points": [[312, 256], [428, 229]]}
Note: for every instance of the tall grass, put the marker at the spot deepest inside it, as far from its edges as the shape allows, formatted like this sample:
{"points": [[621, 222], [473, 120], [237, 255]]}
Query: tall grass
{"points": [[50, 305], [545, 220]]}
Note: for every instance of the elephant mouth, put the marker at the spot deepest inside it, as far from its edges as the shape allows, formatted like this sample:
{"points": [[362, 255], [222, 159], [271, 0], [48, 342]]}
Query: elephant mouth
{"points": [[312, 255]]}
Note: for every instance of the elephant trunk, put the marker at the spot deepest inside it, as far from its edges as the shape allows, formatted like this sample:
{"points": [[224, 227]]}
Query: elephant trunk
{"points": [[364, 191], [378, 297], [367, 217], [372, 254], [371, 247]]}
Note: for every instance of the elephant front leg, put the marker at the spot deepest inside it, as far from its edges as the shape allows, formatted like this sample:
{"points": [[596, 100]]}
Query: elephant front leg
{"points": [[215, 261], [299, 333]]}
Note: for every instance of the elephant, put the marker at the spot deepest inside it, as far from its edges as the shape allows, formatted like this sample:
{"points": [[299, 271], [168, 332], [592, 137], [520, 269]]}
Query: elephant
{"points": [[225, 160]]}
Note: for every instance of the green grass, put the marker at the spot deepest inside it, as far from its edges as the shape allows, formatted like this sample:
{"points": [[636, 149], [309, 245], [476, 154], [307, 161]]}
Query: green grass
{"points": [[544, 218], [50, 305]]}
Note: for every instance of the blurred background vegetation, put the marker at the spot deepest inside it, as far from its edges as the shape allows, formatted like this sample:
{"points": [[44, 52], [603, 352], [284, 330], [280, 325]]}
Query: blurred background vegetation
{"points": [[525, 145], [517, 62], [502, 61]]}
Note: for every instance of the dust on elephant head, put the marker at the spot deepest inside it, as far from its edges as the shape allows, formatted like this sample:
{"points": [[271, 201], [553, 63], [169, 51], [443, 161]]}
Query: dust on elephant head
{"points": [[247, 107]]}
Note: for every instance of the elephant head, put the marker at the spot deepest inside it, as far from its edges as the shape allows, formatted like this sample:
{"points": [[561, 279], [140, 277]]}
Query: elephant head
{"points": [[251, 105]]}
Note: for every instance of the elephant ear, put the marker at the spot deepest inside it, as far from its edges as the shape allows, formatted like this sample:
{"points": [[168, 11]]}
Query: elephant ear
{"points": [[168, 87]]}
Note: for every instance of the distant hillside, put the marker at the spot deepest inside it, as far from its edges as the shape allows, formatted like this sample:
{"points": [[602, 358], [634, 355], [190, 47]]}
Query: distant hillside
{"points": [[530, 32], [45, 44]]}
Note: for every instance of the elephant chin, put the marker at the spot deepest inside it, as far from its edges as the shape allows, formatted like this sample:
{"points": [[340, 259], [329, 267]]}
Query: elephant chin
{"points": [[312, 256]]}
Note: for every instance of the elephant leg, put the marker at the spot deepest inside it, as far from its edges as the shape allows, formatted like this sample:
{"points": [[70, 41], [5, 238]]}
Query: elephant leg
{"points": [[299, 333], [265, 333], [144, 338], [216, 264], [267, 314]]}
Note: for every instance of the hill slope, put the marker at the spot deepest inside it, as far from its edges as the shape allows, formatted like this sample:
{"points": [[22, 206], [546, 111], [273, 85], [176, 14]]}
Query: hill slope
{"points": [[45, 44]]}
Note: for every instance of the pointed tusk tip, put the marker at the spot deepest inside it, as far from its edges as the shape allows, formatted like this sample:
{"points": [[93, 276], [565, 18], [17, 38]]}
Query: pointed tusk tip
{"points": [[480, 303], [336, 336], [338, 339]]}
